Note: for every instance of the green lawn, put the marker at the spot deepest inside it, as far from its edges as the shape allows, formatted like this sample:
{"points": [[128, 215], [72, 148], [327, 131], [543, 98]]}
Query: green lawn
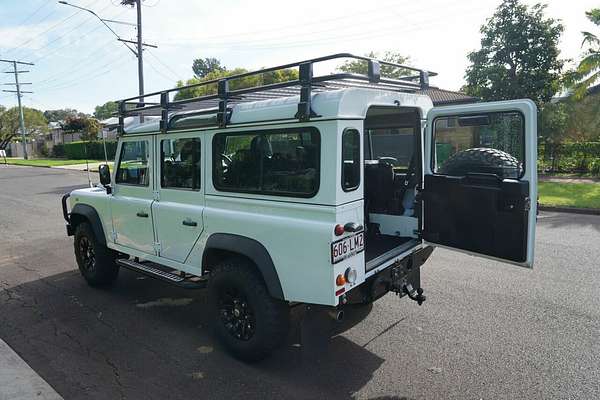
{"points": [[582, 195], [44, 162]]}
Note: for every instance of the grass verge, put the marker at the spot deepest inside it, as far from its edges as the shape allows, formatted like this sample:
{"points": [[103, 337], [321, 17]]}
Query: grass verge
{"points": [[558, 194]]}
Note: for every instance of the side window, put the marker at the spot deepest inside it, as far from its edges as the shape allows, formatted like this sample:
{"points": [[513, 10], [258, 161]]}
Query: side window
{"points": [[180, 163], [350, 160], [133, 164], [278, 162], [490, 143]]}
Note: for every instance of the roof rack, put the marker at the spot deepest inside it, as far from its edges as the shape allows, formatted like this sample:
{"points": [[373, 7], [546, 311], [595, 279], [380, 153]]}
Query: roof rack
{"points": [[220, 97]]}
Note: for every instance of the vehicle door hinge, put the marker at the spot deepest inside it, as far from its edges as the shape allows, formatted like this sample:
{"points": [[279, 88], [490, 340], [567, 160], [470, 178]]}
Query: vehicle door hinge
{"points": [[156, 195], [157, 248], [527, 204], [113, 234]]}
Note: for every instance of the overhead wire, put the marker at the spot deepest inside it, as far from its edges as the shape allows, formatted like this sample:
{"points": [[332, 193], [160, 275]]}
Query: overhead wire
{"points": [[18, 48]]}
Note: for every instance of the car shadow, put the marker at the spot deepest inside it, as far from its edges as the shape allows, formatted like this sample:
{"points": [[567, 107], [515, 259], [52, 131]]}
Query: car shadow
{"points": [[558, 220], [142, 338]]}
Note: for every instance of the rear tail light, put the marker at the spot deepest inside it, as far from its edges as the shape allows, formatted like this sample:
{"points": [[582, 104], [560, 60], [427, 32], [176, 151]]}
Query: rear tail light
{"points": [[339, 230], [340, 280]]}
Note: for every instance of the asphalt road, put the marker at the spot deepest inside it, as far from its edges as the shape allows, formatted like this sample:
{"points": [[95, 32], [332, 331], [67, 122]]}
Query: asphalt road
{"points": [[486, 331]]}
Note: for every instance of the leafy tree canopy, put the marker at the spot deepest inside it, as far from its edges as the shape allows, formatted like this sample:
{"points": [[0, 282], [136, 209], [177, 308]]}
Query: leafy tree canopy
{"points": [[204, 66], [88, 127], [388, 71], [587, 72], [35, 123], [61, 115], [105, 110], [249, 81], [519, 55]]}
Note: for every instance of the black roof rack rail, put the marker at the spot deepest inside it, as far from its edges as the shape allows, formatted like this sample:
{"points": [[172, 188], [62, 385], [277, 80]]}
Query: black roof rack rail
{"points": [[219, 95]]}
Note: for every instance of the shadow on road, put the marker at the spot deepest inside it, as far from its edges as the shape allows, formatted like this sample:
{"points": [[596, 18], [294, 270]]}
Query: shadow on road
{"points": [[143, 339], [561, 220]]}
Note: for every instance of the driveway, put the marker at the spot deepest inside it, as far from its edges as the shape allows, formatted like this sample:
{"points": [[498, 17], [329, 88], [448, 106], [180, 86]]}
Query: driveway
{"points": [[486, 331]]}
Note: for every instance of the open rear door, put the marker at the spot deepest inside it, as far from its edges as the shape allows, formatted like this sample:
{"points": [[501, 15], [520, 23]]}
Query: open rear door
{"points": [[480, 179]]}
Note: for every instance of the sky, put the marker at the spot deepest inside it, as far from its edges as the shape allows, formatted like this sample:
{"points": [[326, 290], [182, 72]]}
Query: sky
{"points": [[80, 64]]}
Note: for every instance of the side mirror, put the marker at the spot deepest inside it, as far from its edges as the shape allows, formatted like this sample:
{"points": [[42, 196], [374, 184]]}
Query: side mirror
{"points": [[104, 172]]}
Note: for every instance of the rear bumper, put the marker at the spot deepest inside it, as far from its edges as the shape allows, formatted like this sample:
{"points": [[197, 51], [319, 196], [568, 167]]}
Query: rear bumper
{"points": [[404, 271]]}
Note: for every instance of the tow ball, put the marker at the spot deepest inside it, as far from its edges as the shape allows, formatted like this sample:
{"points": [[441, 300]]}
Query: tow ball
{"points": [[416, 295]]}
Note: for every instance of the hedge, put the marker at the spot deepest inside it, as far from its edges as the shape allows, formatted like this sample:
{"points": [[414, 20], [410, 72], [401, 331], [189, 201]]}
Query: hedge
{"points": [[90, 150], [576, 157]]}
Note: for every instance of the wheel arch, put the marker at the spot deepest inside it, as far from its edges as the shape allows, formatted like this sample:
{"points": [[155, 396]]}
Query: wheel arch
{"points": [[84, 212], [220, 245]]}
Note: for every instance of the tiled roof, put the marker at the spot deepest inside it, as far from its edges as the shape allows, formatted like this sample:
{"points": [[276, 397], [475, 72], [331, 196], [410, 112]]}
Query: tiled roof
{"points": [[443, 97]]}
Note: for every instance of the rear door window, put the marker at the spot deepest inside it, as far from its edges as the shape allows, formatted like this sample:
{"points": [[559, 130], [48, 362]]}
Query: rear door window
{"points": [[180, 163]]}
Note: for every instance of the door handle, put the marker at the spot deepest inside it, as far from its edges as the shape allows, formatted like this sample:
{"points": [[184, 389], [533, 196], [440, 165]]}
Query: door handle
{"points": [[142, 214], [188, 222]]}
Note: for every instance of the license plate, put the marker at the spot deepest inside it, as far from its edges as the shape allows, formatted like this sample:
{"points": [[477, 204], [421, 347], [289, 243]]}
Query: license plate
{"points": [[347, 247]]}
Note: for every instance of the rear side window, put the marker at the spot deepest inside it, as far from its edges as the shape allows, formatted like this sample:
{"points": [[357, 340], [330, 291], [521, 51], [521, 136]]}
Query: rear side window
{"points": [[180, 163], [278, 162], [350, 160], [133, 164]]}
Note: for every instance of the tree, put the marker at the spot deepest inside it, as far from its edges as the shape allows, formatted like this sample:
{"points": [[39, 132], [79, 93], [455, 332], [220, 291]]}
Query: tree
{"points": [[519, 55], [61, 115], [106, 110], [35, 123], [265, 78], [204, 66], [388, 71], [587, 72], [88, 127]]}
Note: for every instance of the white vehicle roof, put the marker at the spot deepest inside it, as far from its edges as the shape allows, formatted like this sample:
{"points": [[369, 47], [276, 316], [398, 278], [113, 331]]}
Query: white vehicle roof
{"points": [[351, 103]]}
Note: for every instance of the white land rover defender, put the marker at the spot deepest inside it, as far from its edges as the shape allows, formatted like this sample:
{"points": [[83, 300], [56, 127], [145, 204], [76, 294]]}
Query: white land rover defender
{"points": [[328, 190]]}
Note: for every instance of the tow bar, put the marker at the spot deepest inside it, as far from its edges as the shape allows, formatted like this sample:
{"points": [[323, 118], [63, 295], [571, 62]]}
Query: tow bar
{"points": [[416, 295]]}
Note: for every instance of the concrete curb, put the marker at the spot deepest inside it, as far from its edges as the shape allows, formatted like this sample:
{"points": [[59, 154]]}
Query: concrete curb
{"points": [[571, 210], [18, 381]]}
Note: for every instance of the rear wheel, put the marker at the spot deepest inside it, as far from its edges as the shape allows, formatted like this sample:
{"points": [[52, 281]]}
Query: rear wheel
{"points": [[96, 262], [248, 321]]}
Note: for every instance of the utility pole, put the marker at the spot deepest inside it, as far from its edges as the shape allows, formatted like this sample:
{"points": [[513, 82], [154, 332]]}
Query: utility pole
{"points": [[19, 94], [138, 42], [139, 48]]}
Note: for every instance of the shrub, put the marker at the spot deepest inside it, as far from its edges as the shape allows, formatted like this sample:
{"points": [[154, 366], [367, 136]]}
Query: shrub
{"points": [[58, 150], [90, 150]]}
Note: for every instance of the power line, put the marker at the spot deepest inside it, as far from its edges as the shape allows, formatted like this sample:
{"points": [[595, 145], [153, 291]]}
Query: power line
{"points": [[62, 36], [166, 66], [18, 48], [44, 3]]}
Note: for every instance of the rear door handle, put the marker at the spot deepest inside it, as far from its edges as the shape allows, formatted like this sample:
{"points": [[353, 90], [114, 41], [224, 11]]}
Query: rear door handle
{"points": [[188, 222], [142, 214]]}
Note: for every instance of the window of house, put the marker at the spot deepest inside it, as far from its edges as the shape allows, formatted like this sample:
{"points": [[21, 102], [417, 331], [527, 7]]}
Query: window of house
{"points": [[133, 164], [180, 163], [350, 160], [277, 162]]}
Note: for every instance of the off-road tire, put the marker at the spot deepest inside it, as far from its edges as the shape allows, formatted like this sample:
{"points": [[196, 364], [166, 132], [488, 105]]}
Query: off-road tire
{"points": [[482, 160], [269, 317], [101, 270]]}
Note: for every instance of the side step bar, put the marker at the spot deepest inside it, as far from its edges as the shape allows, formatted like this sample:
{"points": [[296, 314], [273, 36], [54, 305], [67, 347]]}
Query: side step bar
{"points": [[154, 270]]}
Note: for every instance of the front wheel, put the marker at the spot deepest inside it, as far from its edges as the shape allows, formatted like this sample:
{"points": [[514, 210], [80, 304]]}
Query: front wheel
{"points": [[96, 262], [248, 321]]}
